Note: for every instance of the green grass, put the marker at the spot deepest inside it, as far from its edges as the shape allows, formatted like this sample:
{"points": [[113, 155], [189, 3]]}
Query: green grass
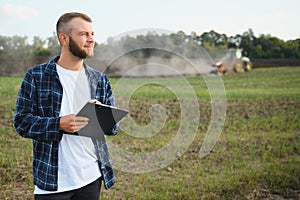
{"points": [[257, 155], [259, 83]]}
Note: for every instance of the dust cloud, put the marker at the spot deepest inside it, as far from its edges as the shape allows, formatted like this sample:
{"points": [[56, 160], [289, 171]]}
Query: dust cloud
{"points": [[117, 59]]}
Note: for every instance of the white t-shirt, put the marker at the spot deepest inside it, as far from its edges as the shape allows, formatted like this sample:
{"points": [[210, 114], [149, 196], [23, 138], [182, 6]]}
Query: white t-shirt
{"points": [[77, 160]]}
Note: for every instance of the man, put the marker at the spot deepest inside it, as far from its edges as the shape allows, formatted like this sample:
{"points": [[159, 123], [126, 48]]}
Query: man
{"points": [[65, 165]]}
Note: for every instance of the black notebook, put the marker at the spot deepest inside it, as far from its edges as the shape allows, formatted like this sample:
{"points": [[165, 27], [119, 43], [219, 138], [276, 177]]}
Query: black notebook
{"points": [[102, 119]]}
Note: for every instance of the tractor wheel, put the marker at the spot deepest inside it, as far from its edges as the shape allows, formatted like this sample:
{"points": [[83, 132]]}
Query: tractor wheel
{"points": [[238, 66], [248, 66]]}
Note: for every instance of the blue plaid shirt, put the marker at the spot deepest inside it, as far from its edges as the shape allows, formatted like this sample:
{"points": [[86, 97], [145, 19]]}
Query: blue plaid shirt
{"points": [[37, 117]]}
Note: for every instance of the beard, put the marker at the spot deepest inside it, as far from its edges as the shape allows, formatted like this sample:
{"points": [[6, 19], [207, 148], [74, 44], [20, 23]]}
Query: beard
{"points": [[77, 51]]}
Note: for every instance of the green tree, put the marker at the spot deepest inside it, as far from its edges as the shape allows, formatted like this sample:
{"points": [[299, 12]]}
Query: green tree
{"points": [[39, 47], [15, 45], [53, 45], [247, 42]]}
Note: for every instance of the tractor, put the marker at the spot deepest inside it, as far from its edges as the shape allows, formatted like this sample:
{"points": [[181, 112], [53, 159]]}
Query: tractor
{"points": [[232, 60]]}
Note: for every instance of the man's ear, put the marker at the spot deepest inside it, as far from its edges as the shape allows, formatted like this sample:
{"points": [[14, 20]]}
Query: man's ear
{"points": [[63, 38]]}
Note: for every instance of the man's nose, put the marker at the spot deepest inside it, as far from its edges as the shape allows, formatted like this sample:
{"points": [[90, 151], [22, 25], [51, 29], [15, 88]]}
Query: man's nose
{"points": [[91, 38]]}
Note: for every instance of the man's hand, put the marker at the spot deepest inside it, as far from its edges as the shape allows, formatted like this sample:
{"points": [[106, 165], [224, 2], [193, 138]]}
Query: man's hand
{"points": [[72, 123]]}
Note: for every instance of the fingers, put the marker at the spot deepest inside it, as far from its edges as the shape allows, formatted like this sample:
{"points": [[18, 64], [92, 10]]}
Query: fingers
{"points": [[81, 119], [72, 123], [79, 123]]}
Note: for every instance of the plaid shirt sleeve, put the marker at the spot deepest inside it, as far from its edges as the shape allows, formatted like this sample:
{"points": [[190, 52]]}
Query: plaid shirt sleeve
{"points": [[30, 119]]}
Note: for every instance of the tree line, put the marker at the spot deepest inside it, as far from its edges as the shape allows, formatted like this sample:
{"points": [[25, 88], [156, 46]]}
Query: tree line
{"points": [[21, 52], [264, 46]]}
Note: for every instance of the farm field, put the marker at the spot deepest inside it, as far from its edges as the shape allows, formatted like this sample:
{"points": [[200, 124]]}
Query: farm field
{"points": [[257, 155]]}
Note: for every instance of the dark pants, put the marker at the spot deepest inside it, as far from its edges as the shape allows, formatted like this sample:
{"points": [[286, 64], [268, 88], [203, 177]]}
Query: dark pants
{"points": [[89, 192]]}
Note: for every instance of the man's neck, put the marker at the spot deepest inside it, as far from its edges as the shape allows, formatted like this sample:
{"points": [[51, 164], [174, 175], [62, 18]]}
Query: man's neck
{"points": [[70, 62]]}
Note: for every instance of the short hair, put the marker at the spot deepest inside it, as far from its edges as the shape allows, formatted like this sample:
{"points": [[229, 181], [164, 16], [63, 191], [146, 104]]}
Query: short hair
{"points": [[61, 25]]}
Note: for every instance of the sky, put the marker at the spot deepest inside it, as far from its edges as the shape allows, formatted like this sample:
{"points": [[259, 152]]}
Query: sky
{"points": [[112, 18]]}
